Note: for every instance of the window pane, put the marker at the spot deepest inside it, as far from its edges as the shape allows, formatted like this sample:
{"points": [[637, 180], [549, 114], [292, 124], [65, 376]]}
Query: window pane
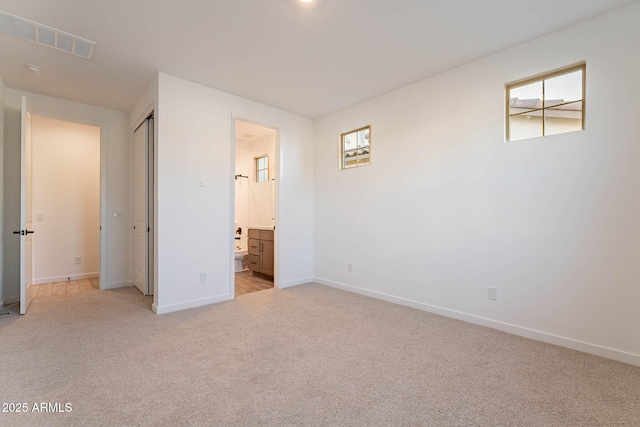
{"points": [[363, 159], [553, 104], [565, 118], [525, 98], [265, 162], [349, 160], [564, 88], [525, 126], [363, 138], [261, 163], [355, 148], [262, 175], [350, 141]]}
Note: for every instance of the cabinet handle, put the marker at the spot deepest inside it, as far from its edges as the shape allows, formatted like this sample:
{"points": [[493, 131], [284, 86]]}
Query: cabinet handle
{"points": [[260, 247]]}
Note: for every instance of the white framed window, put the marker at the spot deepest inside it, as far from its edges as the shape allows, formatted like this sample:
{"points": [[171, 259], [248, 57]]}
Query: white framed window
{"points": [[355, 148], [546, 105], [262, 168]]}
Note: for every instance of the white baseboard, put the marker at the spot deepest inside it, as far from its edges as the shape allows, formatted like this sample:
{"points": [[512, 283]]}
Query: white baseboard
{"points": [[65, 278], [11, 300], [189, 304], [597, 350], [295, 282], [115, 285], [2, 305]]}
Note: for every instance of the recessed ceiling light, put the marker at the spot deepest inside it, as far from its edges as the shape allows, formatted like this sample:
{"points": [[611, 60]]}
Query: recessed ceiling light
{"points": [[34, 69], [306, 1]]}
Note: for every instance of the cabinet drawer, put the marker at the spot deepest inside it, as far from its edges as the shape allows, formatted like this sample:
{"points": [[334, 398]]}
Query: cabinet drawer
{"points": [[253, 262], [254, 247], [254, 234], [266, 235]]}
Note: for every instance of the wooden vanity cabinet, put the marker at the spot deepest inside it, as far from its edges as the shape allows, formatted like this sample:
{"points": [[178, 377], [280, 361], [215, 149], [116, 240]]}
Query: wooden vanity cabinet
{"points": [[261, 251]]}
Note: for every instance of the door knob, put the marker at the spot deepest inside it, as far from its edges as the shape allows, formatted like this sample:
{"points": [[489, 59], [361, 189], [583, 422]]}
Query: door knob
{"points": [[23, 232]]}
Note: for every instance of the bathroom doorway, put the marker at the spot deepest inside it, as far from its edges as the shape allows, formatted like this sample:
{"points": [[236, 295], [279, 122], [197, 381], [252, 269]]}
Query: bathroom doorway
{"points": [[255, 207]]}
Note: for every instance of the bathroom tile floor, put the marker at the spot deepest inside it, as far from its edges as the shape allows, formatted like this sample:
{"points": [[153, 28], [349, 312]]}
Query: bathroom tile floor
{"points": [[247, 282], [66, 287]]}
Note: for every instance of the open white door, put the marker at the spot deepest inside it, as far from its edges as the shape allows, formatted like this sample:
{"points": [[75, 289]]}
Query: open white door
{"points": [[26, 215], [141, 207]]}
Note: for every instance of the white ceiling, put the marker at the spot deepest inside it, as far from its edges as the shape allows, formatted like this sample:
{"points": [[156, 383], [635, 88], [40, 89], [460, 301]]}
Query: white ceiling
{"points": [[244, 130], [309, 59]]}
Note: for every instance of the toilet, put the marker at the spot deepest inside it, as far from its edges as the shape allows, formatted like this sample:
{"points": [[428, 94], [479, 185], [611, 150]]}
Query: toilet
{"points": [[240, 260], [240, 252]]}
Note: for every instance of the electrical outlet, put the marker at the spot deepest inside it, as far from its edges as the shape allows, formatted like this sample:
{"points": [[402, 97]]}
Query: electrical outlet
{"points": [[492, 294], [203, 277], [349, 268], [39, 216], [78, 260]]}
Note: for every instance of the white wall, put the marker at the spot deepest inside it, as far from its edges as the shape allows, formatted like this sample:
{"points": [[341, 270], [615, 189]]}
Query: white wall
{"points": [[66, 192], [447, 208], [261, 193], [242, 187], [115, 141], [2, 133], [195, 224]]}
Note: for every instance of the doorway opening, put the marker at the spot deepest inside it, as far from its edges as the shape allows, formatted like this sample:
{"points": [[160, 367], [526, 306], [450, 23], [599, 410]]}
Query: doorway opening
{"points": [[255, 207], [66, 206]]}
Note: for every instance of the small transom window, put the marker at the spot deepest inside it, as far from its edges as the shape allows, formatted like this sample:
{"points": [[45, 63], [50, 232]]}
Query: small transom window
{"points": [[262, 169], [546, 105], [355, 148]]}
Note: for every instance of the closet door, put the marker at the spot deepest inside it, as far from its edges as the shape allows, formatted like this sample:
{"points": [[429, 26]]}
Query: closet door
{"points": [[141, 226]]}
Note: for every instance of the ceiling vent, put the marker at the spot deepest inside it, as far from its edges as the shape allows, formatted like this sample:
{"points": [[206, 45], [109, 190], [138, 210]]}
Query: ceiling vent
{"points": [[47, 36], [249, 135]]}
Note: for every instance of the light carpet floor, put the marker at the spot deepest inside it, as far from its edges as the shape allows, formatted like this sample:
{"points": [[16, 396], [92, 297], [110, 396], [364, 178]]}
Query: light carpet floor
{"points": [[304, 356]]}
